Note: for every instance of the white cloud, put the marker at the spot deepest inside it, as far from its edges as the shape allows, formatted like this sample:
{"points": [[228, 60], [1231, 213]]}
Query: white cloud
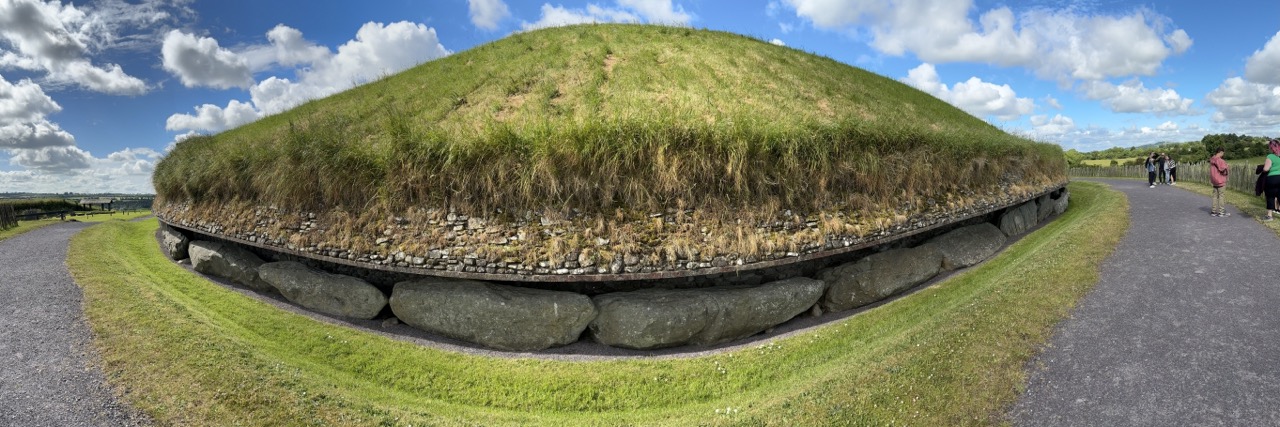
{"points": [[213, 118], [629, 11], [201, 62], [287, 48], [1134, 97], [52, 159], [58, 39], [559, 16], [377, 50], [1044, 126], [23, 123], [777, 42], [1057, 44], [1264, 65], [974, 95], [486, 14], [24, 102], [133, 161], [658, 11], [1052, 102], [34, 135], [1246, 105]]}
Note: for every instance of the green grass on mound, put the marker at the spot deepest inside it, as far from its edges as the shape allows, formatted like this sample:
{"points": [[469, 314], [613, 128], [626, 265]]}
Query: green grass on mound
{"points": [[190, 352], [602, 117]]}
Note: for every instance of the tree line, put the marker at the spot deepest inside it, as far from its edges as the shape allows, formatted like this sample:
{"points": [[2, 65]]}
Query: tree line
{"points": [[1235, 146]]}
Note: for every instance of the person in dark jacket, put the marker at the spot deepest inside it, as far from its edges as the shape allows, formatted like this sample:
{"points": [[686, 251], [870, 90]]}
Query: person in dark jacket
{"points": [[1151, 170]]}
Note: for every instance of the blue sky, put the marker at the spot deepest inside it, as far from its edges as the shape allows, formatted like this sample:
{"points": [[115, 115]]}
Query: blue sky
{"points": [[93, 93]]}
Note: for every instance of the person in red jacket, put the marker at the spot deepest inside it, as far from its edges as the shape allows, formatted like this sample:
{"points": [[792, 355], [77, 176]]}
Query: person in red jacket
{"points": [[1218, 171]]}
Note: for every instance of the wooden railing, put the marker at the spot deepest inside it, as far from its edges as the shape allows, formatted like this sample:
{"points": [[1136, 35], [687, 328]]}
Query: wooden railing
{"points": [[1240, 178]]}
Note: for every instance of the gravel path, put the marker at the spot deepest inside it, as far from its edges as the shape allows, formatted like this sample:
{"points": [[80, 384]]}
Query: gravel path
{"points": [[46, 372], [1180, 330]]}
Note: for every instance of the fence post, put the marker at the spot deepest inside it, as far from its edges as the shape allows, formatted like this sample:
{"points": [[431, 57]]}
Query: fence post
{"points": [[8, 218]]}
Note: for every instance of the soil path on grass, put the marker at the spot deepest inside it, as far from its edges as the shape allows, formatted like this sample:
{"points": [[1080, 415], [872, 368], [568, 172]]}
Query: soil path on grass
{"points": [[47, 371], [1182, 329]]}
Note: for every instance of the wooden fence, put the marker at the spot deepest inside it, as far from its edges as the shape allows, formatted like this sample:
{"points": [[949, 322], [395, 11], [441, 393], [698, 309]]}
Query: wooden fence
{"points": [[1241, 177], [8, 219]]}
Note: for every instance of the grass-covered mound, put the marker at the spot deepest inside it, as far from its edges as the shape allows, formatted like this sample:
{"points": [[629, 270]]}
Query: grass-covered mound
{"points": [[594, 128]]}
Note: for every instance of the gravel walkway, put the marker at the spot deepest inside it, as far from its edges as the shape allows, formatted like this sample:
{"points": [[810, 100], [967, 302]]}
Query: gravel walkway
{"points": [[46, 372], [1181, 329]]}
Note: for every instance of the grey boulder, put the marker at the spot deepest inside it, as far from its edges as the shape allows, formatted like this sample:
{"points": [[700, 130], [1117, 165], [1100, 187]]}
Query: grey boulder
{"points": [[492, 315], [175, 243], [227, 261], [967, 246], [1018, 220], [331, 294], [656, 318], [1044, 207], [1060, 203], [879, 276]]}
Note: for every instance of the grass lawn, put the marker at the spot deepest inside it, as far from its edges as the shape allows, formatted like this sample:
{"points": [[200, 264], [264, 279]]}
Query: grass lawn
{"points": [[1107, 162], [25, 226], [190, 352]]}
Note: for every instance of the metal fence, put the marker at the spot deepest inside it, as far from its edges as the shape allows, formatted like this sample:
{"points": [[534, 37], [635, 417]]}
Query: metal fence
{"points": [[1240, 178]]}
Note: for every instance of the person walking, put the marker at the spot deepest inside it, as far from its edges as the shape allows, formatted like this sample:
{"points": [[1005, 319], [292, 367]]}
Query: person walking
{"points": [[1271, 167], [1151, 170], [1218, 171], [1173, 170]]}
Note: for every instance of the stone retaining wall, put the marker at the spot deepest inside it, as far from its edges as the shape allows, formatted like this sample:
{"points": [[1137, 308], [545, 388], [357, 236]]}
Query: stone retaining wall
{"points": [[638, 314]]}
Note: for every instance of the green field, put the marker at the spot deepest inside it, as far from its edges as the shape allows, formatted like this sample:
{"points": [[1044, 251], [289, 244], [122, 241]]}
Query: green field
{"points": [[1107, 162], [25, 226], [190, 352]]}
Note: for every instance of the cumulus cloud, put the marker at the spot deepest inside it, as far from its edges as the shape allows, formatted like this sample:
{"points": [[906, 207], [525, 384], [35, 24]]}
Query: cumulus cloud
{"points": [[213, 118], [377, 50], [1246, 105], [658, 11], [486, 14], [1134, 97], [23, 122], [287, 48], [1043, 125], [58, 39], [1058, 45], [52, 159], [1263, 65], [974, 95], [777, 42], [653, 11], [199, 61], [134, 161]]}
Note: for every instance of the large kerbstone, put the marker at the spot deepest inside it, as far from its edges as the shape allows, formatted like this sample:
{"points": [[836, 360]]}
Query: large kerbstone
{"points": [[970, 245], [657, 318], [227, 261], [879, 276], [1044, 207], [331, 294], [1060, 204], [497, 316], [175, 243], [1020, 219]]}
